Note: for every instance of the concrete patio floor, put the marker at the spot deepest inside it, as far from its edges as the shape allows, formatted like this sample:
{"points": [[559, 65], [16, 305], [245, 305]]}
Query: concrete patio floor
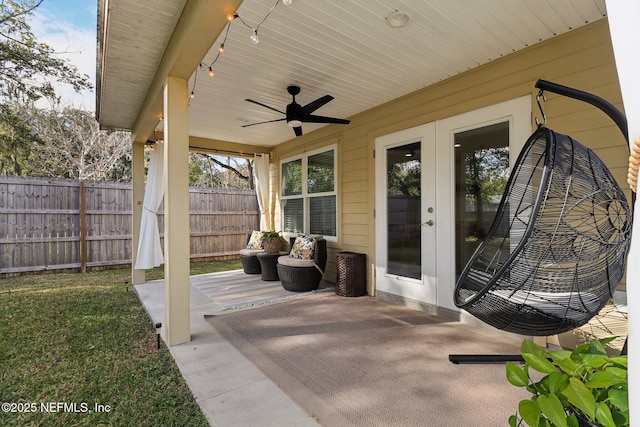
{"points": [[230, 390]]}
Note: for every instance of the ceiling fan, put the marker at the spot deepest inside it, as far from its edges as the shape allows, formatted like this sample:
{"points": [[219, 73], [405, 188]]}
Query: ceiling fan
{"points": [[296, 114]]}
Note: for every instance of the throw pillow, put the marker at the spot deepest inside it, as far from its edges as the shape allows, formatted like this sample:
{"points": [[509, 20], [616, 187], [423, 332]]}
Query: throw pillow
{"points": [[255, 241], [303, 247]]}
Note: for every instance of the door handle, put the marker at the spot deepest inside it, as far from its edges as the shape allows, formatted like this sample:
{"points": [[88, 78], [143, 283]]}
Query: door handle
{"points": [[429, 223]]}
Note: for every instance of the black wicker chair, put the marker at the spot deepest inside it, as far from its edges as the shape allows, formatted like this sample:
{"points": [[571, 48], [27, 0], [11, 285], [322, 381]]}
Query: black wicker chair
{"points": [[557, 248], [249, 259], [303, 275]]}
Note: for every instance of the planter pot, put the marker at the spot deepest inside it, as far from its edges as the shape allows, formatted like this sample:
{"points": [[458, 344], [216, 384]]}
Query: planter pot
{"points": [[271, 246]]}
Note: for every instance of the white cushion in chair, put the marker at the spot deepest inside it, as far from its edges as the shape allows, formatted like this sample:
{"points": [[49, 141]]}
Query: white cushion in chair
{"points": [[295, 262], [251, 252], [570, 305]]}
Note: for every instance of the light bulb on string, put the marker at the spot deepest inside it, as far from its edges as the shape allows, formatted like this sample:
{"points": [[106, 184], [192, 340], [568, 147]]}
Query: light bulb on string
{"points": [[254, 36]]}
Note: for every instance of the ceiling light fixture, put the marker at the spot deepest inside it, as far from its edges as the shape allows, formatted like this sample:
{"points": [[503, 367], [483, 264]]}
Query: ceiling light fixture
{"points": [[294, 123], [287, 2], [398, 19]]}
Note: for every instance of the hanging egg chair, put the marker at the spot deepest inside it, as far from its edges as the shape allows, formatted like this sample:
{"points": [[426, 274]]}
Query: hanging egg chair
{"points": [[556, 250]]}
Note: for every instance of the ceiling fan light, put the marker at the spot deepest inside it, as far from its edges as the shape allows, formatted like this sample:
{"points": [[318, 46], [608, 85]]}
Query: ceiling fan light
{"points": [[398, 19], [294, 123]]}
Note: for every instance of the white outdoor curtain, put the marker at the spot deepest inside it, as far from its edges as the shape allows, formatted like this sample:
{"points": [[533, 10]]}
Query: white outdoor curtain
{"points": [[623, 16], [261, 167], [149, 249]]}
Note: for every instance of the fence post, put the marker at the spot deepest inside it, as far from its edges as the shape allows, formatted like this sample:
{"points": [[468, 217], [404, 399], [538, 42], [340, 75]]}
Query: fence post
{"points": [[83, 229]]}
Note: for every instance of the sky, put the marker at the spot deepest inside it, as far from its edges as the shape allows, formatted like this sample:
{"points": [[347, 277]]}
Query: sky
{"points": [[69, 27]]}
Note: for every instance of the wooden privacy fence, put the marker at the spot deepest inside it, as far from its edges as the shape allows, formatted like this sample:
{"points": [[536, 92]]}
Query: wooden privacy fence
{"points": [[56, 224]]}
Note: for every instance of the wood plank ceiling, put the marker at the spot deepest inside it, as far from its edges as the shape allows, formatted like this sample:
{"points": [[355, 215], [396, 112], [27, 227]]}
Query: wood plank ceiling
{"points": [[342, 48]]}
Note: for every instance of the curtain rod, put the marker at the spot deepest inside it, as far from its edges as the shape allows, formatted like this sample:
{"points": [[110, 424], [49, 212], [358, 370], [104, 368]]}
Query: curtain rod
{"points": [[221, 151]]}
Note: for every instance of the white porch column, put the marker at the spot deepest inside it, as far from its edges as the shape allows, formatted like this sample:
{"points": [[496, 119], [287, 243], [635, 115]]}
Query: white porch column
{"points": [[137, 194], [177, 328], [623, 18]]}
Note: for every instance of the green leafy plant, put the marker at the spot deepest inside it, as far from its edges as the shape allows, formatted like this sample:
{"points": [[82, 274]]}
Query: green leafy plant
{"points": [[578, 388], [269, 235], [273, 242]]}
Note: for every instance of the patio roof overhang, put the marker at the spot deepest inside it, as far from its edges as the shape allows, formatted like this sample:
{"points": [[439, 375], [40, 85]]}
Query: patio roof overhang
{"points": [[345, 49]]}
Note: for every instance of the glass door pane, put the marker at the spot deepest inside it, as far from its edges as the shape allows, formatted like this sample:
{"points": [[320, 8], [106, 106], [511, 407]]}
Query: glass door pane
{"points": [[403, 211], [481, 174]]}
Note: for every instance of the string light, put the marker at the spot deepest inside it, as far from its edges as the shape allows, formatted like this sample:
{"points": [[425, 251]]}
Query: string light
{"points": [[253, 38], [195, 79]]}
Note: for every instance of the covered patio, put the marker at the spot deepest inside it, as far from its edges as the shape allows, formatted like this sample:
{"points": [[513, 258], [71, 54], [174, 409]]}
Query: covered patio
{"points": [[212, 76]]}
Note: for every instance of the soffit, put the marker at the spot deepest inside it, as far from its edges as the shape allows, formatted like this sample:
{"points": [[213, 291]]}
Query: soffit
{"points": [[341, 48]]}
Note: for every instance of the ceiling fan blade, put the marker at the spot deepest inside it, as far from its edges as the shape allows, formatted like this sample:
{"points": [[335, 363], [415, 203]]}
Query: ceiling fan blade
{"points": [[321, 119], [264, 105], [261, 123], [298, 130], [314, 105]]}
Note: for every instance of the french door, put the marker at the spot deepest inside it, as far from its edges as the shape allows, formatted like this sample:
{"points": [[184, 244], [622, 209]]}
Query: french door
{"points": [[405, 213], [425, 237]]}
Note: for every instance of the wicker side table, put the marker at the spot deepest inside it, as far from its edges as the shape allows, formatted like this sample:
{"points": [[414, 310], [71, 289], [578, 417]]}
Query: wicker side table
{"points": [[351, 274], [268, 265]]}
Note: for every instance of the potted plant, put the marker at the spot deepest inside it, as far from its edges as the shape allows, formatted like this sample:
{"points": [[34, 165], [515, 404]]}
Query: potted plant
{"points": [[272, 241], [583, 387]]}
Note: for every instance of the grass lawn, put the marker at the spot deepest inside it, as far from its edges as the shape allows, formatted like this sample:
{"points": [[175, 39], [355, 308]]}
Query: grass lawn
{"points": [[79, 349]]}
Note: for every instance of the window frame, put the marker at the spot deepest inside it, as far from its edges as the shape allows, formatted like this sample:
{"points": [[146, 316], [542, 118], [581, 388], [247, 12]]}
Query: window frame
{"points": [[305, 195]]}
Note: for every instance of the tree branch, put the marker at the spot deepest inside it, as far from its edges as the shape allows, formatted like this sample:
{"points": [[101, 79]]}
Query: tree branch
{"points": [[231, 168], [20, 12]]}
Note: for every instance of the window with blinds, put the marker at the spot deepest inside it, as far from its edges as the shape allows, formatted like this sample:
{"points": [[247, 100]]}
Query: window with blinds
{"points": [[309, 197]]}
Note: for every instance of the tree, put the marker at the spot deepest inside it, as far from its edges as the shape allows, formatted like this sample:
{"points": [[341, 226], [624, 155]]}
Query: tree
{"points": [[404, 179], [207, 170], [16, 139], [27, 72], [487, 171], [73, 146], [27, 67]]}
